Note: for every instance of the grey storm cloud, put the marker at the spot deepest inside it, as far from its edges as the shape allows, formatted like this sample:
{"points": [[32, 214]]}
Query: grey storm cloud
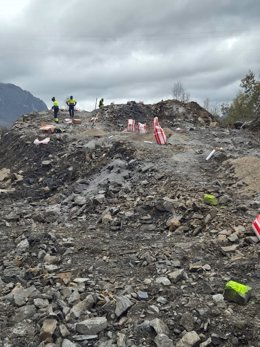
{"points": [[129, 49]]}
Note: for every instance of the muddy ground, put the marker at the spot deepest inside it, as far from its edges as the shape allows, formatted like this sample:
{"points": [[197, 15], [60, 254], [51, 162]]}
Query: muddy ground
{"points": [[106, 239]]}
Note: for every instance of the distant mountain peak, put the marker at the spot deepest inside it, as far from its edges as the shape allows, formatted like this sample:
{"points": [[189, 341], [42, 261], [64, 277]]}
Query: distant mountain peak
{"points": [[15, 102]]}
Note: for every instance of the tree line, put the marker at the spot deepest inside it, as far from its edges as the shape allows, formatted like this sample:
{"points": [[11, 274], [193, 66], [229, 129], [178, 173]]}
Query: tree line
{"points": [[244, 107]]}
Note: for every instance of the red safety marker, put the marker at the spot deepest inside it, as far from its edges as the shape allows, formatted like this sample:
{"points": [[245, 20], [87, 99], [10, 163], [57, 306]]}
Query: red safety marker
{"points": [[256, 226], [159, 135], [131, 125], [155, 122], [142, 128]]}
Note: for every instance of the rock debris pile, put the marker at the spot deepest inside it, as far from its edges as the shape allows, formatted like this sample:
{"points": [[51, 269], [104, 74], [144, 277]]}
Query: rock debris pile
{"points": [[171, 113], [106, 240]]}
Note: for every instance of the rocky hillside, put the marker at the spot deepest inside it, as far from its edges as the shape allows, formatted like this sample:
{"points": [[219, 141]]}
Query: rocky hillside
{"points": [[15, 102], [107, 240]]}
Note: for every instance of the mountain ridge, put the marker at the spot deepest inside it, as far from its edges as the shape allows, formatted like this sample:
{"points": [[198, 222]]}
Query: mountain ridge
{"points": [[15, 102]]}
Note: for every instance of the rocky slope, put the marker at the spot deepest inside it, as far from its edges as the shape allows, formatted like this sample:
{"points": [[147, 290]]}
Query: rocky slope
{"points": [[15, 102], [106, 239]]}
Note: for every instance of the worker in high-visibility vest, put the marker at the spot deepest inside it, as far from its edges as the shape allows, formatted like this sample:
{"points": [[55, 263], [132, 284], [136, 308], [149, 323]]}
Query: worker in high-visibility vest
{"points": [[101, 103], [55, 108], [71, 103]]}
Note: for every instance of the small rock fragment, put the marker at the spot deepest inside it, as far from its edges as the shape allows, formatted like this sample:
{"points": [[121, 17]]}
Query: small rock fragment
{"points": [[162, 340], [173, 223], [187, 321], [122, 305], [159, 326], [68, 343], [92, 326], [188, 340], [176, 275], [48, 328], [142, 295], [163, 280]]}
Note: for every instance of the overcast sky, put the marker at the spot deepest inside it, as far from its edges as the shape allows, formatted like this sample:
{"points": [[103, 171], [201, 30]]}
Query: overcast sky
{"points": [[129, 49]]}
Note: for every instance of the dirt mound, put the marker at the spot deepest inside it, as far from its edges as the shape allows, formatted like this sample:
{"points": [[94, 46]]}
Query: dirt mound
{"points": [[247, 170], [169, 112]]}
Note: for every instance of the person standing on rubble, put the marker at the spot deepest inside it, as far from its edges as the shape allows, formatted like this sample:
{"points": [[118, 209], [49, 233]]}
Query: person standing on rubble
{"points": [[71, 103], [101, 107], [101, 103], [55, 108]]}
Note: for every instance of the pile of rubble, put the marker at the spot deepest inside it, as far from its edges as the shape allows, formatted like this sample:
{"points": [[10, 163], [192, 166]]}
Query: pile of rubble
{"points": [[107, 239], [172, 113]]}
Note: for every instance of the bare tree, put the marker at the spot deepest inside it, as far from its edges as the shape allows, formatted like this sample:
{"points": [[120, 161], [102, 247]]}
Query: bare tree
{"points": [[179, 92], [185, 97], [206, 104], [215, 110]]}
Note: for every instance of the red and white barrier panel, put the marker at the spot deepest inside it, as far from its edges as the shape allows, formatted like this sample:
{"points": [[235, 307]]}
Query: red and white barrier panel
{"points": [[131, 125], [159, 135], [155, 122], [256, 226], [142, 128]]}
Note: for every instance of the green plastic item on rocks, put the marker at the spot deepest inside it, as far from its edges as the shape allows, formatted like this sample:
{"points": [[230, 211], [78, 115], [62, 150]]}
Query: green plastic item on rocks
{"points": [[237, 292], [210, 199]]}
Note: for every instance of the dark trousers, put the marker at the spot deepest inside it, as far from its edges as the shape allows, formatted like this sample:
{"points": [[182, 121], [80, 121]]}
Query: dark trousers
{"points": [[71, 110], [55, 112]]}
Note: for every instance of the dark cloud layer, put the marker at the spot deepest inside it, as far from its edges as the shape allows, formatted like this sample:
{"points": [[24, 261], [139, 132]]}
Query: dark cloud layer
{"points": [[130, 49]]}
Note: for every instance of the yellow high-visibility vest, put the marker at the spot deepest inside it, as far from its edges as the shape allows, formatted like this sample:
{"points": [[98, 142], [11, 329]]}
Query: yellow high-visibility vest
{"points": [[71, 101]]}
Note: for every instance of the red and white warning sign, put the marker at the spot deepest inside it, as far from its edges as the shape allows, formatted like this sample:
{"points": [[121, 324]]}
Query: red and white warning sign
{"points": [[159, 135], [256, 226], [142, 128], [131, 125], [155, 122]]}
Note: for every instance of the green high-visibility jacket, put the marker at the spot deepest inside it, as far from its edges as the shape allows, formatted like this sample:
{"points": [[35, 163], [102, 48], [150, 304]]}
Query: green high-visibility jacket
{"points": [[71, 102]]}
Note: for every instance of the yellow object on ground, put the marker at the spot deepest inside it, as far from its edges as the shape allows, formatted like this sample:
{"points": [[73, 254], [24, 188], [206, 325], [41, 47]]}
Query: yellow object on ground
{"points": [[210, 199], [237, 292]]}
